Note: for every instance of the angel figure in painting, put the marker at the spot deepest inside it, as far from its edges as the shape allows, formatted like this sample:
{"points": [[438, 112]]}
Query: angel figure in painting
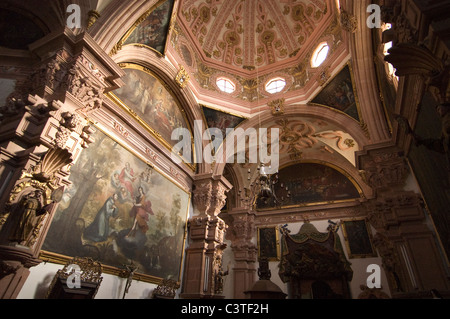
{"points": [[141, 210]]}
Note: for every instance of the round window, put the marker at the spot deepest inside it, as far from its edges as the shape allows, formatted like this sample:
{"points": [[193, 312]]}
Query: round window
{"points": [[225, 85], [275, 85]]}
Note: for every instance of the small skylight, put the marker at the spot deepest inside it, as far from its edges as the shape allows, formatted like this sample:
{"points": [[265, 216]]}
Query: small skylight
{"points": [[320, 55], [225, 85], [275, 85]]}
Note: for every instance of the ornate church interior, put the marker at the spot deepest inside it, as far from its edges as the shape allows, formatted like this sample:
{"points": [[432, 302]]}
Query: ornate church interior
{"points": [[224, 149]]}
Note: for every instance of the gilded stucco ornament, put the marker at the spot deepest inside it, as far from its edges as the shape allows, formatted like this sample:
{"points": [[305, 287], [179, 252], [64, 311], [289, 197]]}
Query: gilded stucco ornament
{"points": [[182, 77], [277, 106], [93, 16], [348, 21]]}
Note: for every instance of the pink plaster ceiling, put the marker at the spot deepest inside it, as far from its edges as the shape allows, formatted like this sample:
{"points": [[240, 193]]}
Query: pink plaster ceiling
{"points": [[252, 41], [244, 34]]}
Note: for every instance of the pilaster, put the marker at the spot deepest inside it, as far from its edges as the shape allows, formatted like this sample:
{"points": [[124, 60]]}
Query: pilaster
{"points": [[45, 125], [404, 240], [203, 270], [245, 251]]}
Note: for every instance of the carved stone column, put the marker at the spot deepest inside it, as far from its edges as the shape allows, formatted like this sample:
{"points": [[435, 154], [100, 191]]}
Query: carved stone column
{"points": [[420, 56], [406, 244], [364, 71], [203, 270], [44, 127], [241, 233]]}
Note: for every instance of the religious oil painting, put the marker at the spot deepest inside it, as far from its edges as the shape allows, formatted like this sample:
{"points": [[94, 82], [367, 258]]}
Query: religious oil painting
{"points": [[358, 236], [340, 94], [268, 243], [153, 31], [305, 184], [221, 120], [148, 100], [118, 210]]}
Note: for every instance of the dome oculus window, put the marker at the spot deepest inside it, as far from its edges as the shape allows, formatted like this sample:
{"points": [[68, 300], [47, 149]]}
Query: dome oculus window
{"points": [[275, 85], [320, 55], [225, 85]]}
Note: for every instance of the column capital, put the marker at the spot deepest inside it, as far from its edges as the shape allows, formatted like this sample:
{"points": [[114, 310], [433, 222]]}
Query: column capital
{"points": [[383, 167], [209, 194]]}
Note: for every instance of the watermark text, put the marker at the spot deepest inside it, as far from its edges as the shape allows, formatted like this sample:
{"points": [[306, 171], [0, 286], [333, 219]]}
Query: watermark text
{"points": [[74, 19], [374, 279]]}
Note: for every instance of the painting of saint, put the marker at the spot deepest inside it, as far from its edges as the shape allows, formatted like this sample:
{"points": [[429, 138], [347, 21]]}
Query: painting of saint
{"points": [[220, 120], [310, 183], [358, 238], [340, 94], [118, 209], [153, 31], [98, 231], [268, 244], [149, 100]]}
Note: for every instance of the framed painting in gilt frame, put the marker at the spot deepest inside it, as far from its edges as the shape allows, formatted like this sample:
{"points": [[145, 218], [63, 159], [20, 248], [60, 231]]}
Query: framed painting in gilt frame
{"points": [[340, 95], [222, 120], [152, 29], [358, 238], [312, 183], [117, 210], [151, 103], [269, 243]]}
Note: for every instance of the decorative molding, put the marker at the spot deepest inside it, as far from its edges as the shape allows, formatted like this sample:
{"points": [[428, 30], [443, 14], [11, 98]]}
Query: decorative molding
{"points": [[277, 106], [182, 77], [324, 76], [93, 16], [121, 130], [394, 208], [348, 21], [209, 197], [372, 293], [384, 168]]}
